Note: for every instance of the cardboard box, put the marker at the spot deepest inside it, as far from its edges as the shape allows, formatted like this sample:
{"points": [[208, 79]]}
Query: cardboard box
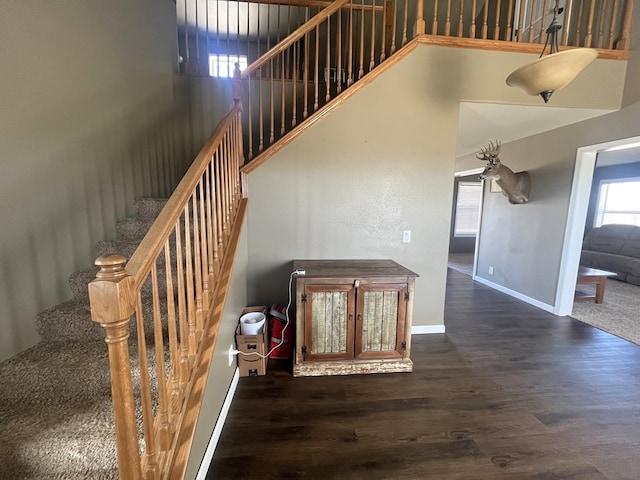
{"points": [[253, 365]]}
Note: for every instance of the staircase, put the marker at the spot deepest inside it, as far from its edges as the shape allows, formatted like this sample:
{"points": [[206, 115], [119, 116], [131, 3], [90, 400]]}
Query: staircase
{"points": [[56, 417], [56, 407]]}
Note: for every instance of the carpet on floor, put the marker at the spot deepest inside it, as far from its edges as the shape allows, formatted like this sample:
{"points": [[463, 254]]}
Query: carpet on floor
{"points": [[619, 314], [461, 262]]}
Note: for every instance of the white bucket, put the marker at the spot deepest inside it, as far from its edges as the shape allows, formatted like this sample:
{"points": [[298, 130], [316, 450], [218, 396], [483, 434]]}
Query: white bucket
{"points": [[252, 323]]}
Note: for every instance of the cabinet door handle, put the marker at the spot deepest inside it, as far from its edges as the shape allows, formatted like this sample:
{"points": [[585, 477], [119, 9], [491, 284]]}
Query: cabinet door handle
{"points": [[350, 319], [359, 317]]}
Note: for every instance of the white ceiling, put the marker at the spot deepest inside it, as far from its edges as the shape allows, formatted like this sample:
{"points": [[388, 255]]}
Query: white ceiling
{"points": [[482, 122]]}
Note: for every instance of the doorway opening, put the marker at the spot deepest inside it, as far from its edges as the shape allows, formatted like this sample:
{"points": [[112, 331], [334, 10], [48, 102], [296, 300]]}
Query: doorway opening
{"points": [[576, 218]]}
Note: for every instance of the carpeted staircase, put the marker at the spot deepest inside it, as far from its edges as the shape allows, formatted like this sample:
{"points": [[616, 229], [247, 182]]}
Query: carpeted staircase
{"points": [[55, 398]]}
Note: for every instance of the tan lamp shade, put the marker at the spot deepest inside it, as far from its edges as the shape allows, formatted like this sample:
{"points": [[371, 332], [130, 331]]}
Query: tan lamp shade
{"points": [[551, 72]]}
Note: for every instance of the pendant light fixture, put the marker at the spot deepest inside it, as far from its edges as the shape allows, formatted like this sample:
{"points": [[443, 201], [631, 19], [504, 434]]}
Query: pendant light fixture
{"points": [[554, 71]]}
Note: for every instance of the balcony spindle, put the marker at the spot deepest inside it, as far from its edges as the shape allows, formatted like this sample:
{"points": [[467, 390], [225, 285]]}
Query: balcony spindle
{"points": [[521, 21], [420, 23], [316, 73], [372, 61], [472, 29], [589, 37], [532, 11], [405, 23], [485, 22], [395, 23], [614, 16], [496, 27], [623, 43], [509, 33], [434, 22], [578, 39], [542, 37], [305, 77], [361, 70]]}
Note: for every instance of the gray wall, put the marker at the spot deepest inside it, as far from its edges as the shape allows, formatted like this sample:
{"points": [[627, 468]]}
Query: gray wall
{"points": [[524, 242], [382, 163], [87, 98], [91, 118]]}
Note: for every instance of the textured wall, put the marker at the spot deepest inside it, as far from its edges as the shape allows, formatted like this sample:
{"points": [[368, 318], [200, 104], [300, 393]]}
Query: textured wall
{"points": [[382, 163], [86, 120]]}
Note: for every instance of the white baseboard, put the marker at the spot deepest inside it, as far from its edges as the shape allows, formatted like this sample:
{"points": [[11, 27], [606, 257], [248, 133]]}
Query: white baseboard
{"points": [[217, 431], [426, 329], [531, 301]]}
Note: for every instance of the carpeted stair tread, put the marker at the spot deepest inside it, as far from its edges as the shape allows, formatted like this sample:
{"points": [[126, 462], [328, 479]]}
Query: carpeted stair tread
{"points": [[149, 207], [78, 282], [123, 247], [56, 419], [66, 321], [133, 228]]}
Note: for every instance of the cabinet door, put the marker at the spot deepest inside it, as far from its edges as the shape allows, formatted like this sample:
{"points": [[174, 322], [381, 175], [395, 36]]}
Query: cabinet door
{"points": [[380, 320], [328, 322]]}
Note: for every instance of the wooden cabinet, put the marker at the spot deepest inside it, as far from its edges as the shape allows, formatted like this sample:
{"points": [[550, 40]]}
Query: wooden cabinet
{"points": [[353, 316]]}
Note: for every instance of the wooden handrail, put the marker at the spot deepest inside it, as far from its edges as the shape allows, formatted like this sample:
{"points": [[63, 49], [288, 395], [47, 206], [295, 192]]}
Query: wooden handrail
{"points": [[153, 242], [193, 240]]}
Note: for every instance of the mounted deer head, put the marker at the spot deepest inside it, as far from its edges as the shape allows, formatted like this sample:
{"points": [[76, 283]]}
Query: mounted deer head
{"points": [[515, 186]]}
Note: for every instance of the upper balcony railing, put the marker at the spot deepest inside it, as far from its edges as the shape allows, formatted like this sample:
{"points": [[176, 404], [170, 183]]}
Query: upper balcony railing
{"points": [[296, 56], [239, 28]]}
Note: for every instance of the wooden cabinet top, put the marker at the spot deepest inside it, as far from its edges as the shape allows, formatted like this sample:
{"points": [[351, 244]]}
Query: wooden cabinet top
{"points": [[352, 268]]}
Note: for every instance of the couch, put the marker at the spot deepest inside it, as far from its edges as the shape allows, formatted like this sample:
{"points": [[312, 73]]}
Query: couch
{"points": [[615, 248]]}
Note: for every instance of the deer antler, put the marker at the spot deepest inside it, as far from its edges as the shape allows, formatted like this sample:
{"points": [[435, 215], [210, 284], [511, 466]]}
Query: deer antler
{"points": [[490, 153]]}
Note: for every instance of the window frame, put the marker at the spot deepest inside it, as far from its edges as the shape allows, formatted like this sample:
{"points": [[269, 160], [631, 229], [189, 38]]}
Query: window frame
{"points": [[217, 62], [601, 199], [460, 186]]}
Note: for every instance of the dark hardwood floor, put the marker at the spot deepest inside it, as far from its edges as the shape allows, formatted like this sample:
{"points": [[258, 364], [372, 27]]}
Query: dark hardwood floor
{"points": [[509, 392]]}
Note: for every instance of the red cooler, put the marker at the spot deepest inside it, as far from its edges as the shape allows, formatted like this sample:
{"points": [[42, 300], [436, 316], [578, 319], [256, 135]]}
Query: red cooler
{"points": [[282, 349]]}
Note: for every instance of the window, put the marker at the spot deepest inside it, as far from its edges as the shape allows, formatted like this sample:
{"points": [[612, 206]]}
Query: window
{"points": [[618, 202], [467, 209], [223, 65]]}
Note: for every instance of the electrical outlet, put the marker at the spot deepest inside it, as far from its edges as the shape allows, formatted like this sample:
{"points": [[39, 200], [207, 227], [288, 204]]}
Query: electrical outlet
{"points": [[406, 236], [490, 270], [232, 353]]}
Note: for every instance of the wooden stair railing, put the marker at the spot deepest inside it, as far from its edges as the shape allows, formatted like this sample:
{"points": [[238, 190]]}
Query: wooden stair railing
{"points": [[319, 60], [174, 287], [346, 40]]}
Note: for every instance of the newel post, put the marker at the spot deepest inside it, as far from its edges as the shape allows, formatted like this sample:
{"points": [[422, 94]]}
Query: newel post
{"points": [[420, 23], [112, 299]]}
